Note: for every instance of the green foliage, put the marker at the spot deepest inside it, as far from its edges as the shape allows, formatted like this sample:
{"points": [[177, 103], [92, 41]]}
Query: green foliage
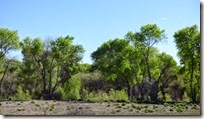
{"points": [[100, 96], [119, 106], [72, 88], [118, 96], [97, 97], [134, 105], [43, 61], [21, 94], [131, 65], [155, 107], [123, 104], [171, 109], [166, 104], [188, 43], [139, 107], [195, 107], [52, 107], [60, 94], [115, 55], [9, 40], [148, 111], [176, 89]]}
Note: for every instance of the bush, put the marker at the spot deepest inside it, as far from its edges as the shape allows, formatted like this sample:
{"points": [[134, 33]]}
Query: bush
{"points": [[72, 88], [179, 110], [97, 97], [195, 107], [59, 94], [139, 107], [84, 94], [118, 96], [134, 105], [21, 95], [52, 107], [100, 96], [123, 104]]}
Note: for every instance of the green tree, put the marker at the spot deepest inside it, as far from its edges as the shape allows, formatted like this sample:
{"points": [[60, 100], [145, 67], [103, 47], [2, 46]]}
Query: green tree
{"points": [[72, 88], [168, 70], [9, 41], [188, 44], [144, 41], [21, 94], [113, 59], [52, 62]]}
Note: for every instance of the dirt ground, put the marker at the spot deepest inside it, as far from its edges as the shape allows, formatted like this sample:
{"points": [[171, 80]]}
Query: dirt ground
{"points": [[39, 107]]}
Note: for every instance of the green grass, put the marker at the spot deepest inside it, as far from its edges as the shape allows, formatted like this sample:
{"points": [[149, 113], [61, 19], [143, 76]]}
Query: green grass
{"points": [[52, 107], [139, 107], [128, 107], [194, 107], [146, 106], [166, 104], [179, 109], [134, 105], [131, 110], [148, 111], [19, 109], [155, 107], [171, 109], [123, 104], [117, 110], [37, 105], [119, 106]]}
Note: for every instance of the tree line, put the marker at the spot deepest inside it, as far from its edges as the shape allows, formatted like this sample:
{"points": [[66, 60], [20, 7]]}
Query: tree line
{"points": [[128, 69]]}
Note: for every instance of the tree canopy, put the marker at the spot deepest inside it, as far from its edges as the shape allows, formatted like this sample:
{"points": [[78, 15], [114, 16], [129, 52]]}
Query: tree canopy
{"points": [[123, 69]]}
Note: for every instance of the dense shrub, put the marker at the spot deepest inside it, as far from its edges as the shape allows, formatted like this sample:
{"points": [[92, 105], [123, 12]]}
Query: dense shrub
{"points": [[21, 95], [97, 97], [118, 96], [100, 96], [176, 89], [72, 88], [59, 94]]}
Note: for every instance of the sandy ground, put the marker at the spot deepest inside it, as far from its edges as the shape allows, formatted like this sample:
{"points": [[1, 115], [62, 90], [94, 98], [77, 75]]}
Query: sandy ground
{"points": [[39, 107]]}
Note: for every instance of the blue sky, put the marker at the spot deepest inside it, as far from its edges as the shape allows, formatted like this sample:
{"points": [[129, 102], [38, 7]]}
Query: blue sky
{"points": [[92, 22]]}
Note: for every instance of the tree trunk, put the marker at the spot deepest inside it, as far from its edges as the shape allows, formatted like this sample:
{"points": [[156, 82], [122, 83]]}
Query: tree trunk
{"points": [[44, 84], [193, 98], [10, 88], [154, 92], [4, 74], [130, 92], [163, 93], [147, 63], [50, 79]]}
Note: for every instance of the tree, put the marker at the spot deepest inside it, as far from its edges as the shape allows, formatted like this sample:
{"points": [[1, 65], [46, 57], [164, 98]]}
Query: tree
{"points": [[9, 40], [167, 68], [67, 57], [144, 40], [53, 61], [188, 43], [113, 59]]}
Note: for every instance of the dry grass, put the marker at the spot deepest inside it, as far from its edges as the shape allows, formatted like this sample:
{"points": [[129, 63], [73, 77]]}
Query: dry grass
{"points": [[39, 107]]}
